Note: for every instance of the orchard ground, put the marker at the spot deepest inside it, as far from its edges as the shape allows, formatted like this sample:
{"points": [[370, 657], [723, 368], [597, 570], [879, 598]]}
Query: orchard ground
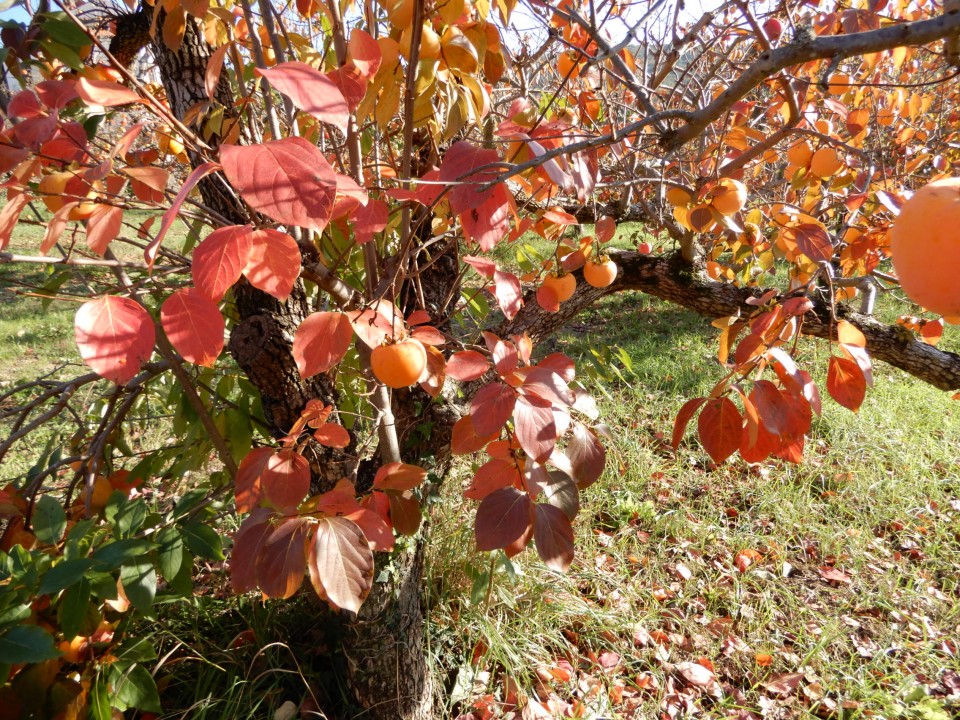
{"points": [[830, 589]]}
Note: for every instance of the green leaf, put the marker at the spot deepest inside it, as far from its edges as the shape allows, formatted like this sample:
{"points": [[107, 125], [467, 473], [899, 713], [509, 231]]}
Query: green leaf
{"points": [[26, 644], [64, 30], [72, 609], [136, 688], [67, 55], [134, 650], [49, 520], [99, 699], [15, 614], [169, 552], [63, 575], [190, 500], [202, 540], [130, 516], [139, 582], [110, 557]]}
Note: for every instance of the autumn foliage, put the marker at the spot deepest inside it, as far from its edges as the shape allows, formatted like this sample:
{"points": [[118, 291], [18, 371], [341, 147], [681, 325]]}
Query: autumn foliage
{"points": [[350, 196]]}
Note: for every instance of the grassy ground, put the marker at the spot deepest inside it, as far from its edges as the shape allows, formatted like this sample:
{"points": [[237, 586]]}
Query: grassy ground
{"points": [[828, 589]]}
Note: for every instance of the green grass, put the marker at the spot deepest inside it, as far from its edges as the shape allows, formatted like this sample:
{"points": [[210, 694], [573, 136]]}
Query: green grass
{"points": [[659, 535]]}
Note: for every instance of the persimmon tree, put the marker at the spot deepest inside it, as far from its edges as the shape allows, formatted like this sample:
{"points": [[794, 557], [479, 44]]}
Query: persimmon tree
{"points": [[335, 327]]}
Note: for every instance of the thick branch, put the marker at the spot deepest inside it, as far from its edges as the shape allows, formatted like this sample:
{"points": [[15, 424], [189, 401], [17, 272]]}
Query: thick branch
{"points": [[672, 280]]}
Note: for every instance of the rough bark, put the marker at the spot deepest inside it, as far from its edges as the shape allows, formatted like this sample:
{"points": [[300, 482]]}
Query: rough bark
{"points": [[387, 673]]}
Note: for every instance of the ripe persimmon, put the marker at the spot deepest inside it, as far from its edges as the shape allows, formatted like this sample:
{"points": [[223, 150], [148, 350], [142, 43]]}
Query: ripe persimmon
{"points": [[600, 273], [563, 285], [825, 162], [925, 247], [729, 196], [399, 365]]}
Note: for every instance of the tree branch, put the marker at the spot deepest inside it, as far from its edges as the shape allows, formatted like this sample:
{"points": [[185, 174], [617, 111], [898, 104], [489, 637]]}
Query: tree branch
{"points": [[671, 279]]}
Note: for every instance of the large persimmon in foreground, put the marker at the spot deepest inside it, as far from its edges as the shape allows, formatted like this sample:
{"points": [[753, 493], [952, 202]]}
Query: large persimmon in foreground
{"points": [[925, 247]]}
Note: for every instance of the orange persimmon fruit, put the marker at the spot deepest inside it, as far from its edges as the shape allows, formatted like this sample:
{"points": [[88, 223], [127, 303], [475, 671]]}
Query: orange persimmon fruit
{"points": [[563, 285], [925, 247], [399, 365], [600, 273]]}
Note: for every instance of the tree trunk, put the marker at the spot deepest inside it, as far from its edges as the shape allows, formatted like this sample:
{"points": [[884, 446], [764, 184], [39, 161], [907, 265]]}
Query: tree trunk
{"points": [[387, 671]]}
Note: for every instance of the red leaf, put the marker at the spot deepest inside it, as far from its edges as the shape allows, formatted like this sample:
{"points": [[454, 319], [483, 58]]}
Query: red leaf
{"points": [[341, 563], [489, 223], [108, 94], [321, 341], [535, 428], [399, 476], [832, 574], [375, 528], [9, 217], [194, 326], [311, 91], [686, 413], [350, 82], [771, 406], [282, 558], [246, 550], [605, 229], [490, 476], [332, 435], [405, 513], [586, 454], [561, 365], [547, 384], [55, 227], [219, 260], [457, 169], [428, 335], [365, 52], [508, 292], [286, 479], [115, 336], [846, 383], [247, 488], [376, 324], [813, 241], [369, 219], [25, 105], [211, 76], [103, 226], [289, 180], [467, 365], [491, 407], [273, 262], [435, 373], [149, 184], [553, 536], [170, 216], [465, 440], [482, 265], [721, 428], [850, 334], [503, 517]]}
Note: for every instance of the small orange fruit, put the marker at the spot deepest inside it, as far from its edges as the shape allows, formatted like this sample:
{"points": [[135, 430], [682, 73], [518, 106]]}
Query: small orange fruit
{"points": [[825, 162], [729, 196], [399, 365], [563, 285], [800, 154], [600, 274], [925, 247], [838, 83]]}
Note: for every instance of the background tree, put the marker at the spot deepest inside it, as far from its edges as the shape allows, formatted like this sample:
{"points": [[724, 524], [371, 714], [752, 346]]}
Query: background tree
{"points": [[346, 171]]}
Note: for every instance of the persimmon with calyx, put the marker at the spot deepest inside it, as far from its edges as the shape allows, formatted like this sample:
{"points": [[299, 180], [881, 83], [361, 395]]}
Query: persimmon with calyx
{"points": [[399, 365], [562, 285], [925, 247], [600, 273]]}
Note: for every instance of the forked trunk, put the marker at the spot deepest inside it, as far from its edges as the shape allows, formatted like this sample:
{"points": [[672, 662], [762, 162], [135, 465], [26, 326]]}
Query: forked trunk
{"points": [[387, 673]]}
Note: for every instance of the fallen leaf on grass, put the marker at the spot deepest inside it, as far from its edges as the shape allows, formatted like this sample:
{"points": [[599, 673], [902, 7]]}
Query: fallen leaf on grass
{"points": [[784, 685], [833, 575]]}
